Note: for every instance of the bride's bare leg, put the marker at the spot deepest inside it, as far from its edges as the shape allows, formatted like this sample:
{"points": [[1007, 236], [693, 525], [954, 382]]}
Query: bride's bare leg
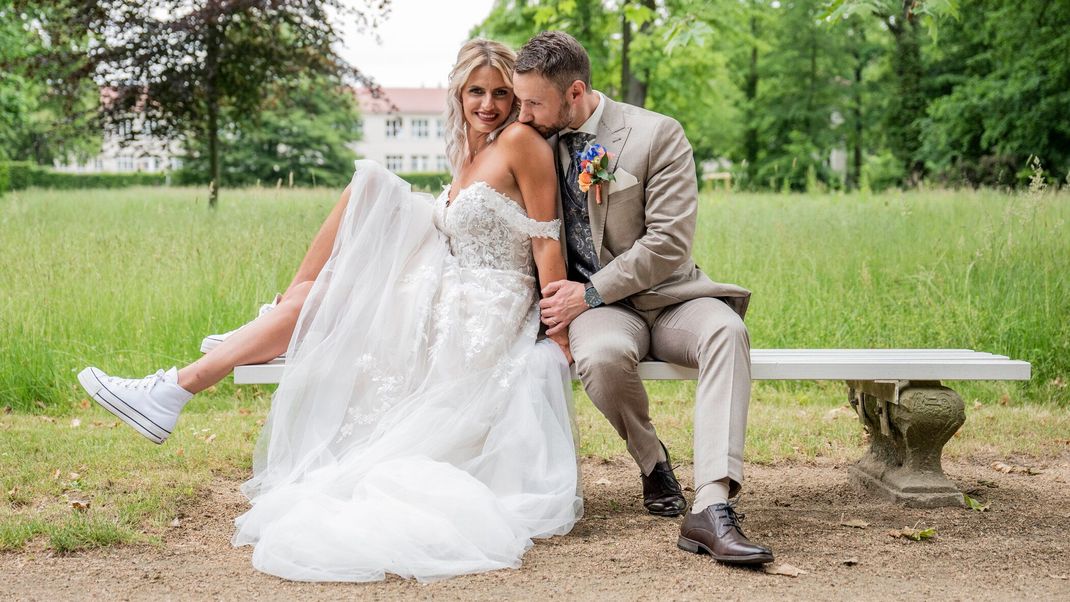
{"points": [[262, 340], [320, 249]]}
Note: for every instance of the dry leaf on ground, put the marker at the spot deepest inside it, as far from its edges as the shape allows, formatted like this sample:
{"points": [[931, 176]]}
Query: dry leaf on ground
{"points": [[854, 523], [76, 422], [850, 561], [177, 522], [80, 505], [913, 533], [782, 568], [603, 482], [1014, 468]]}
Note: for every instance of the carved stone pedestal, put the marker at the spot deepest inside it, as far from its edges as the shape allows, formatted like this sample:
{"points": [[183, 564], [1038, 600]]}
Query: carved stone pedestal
{"points": [[908, 423]]}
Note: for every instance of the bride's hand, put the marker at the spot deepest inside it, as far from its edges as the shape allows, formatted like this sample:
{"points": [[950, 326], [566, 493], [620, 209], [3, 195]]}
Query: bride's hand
{"points": [[561, 338]]}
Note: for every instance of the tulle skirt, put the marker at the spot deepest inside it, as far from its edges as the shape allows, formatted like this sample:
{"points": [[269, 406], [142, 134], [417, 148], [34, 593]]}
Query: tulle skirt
{"points": [[419, 428]]}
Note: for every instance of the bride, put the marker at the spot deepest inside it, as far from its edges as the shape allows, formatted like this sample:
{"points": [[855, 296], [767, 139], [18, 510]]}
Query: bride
{"points": [[419, 427]]}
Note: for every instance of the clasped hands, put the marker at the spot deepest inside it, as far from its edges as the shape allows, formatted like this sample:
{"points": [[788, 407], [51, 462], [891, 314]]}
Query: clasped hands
{"points": [[562, 301]]}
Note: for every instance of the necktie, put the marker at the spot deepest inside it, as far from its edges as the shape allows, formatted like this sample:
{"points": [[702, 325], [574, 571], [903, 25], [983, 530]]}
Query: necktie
{"points": [[575, 142]]}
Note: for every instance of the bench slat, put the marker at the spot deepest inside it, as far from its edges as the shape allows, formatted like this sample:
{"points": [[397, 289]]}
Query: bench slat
{"points": [[806, 364]]}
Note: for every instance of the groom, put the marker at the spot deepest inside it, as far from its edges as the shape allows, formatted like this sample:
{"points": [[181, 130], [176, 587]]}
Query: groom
{"points": [[633, 290]]}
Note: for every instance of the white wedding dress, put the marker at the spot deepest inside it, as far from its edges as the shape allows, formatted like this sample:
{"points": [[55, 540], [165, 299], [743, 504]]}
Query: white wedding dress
{"points": [[419, 429]]}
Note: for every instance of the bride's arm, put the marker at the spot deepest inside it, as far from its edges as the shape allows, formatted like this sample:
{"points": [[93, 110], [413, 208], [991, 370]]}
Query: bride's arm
{"points": [[532, 164]]}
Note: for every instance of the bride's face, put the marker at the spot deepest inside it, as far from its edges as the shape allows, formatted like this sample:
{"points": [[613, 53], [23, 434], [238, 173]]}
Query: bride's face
{"points": [[486, 99]]}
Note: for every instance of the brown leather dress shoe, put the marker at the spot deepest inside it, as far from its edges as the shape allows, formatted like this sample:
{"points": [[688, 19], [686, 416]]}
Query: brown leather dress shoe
{"points": [[662, 495], [715, 531]]}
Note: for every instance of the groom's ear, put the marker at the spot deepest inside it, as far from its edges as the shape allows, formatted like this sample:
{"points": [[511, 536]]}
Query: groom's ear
{"points": [[576, 90]]}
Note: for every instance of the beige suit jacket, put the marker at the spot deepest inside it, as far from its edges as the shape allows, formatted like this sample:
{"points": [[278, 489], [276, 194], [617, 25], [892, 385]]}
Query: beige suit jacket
{"points": [[644, 228]]}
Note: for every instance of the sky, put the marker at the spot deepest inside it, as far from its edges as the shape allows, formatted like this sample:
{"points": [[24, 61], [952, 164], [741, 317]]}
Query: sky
{"points": [[420, 40]]}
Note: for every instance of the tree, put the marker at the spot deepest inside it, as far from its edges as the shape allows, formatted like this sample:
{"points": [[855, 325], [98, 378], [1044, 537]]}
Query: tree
{"points": [[183, 68], [1003, 96], [906, 107], [33, 127], [302, 131]]}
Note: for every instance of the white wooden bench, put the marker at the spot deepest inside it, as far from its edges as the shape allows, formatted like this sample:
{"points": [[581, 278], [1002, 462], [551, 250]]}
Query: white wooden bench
{"points": [[895, 392]]}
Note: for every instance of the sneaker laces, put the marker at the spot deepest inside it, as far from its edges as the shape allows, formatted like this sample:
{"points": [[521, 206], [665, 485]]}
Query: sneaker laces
{"points": [[146, 383]]}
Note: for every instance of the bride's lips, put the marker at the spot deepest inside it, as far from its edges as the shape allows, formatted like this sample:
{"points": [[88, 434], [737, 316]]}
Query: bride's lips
{"points": [[486, 117]]}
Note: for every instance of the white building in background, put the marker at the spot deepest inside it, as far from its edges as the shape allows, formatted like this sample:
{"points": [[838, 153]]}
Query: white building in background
{"points": [[144, 153], [405, 129]]}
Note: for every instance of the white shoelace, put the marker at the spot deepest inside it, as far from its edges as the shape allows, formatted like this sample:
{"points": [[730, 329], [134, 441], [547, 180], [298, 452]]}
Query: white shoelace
{"points": [[138, 383]]}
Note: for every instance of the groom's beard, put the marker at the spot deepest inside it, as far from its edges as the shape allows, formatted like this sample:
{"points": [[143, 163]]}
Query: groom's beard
{"points": [[564, 117]]}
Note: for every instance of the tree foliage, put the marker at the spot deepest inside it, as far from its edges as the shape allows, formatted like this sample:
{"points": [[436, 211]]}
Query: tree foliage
{"points": [[300, 133], [186, 68]]}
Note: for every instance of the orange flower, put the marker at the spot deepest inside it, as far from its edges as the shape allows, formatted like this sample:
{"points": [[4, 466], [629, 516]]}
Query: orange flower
{"points": [[585, 181]]}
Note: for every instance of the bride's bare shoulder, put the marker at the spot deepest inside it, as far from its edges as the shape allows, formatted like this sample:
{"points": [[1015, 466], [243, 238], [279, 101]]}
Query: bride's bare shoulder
{"points": [[523, 135]]}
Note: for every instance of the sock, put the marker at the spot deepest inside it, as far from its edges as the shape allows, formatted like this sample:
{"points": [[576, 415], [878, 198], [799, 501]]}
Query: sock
{"points": [[661, 454], [712, 492]]}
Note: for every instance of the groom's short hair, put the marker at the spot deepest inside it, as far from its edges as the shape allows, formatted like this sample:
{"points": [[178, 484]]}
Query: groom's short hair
{"points": [[556, 56]]}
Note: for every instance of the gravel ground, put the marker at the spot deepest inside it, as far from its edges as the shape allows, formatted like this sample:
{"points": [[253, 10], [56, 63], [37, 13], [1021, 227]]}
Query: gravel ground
{"points": [[1018, 549]]}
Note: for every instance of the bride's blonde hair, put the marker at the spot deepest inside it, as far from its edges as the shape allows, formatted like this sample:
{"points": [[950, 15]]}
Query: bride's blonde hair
{"points": [[473, 55]]}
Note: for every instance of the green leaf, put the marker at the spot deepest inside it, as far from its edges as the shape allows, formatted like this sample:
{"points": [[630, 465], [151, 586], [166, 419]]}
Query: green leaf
{"points": [[921, 534], [975, 505], [638, 14]]}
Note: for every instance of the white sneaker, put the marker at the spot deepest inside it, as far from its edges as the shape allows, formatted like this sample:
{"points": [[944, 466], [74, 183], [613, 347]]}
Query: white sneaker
{"points": [[212, 341], [150, 405]]}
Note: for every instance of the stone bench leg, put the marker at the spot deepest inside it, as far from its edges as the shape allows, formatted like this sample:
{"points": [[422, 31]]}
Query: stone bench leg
{"points": [[908, 424]]}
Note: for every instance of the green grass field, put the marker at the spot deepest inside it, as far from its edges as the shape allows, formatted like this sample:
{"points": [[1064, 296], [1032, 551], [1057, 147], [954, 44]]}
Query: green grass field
{"points": [[131, 280]]}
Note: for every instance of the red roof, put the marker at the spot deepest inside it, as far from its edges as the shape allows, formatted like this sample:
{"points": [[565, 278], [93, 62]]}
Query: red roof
{"points": [[404, 100]]}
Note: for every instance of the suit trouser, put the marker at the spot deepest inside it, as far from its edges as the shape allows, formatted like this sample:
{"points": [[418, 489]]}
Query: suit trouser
{"points": [[609, 342]]}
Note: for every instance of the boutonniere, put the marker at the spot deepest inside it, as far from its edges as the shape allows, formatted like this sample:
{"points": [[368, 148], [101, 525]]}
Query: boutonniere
{"points": [[594, 169]]}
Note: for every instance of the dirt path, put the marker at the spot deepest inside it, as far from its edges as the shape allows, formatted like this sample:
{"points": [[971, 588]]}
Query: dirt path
{"points": [[1020, 548]]}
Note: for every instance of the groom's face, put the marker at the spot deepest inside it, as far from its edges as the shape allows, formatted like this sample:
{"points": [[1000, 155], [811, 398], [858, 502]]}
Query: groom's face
{"points": [[542, 105]]}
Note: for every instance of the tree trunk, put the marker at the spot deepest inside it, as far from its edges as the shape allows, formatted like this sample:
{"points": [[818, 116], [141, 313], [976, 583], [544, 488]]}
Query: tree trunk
{"points": [[633, 86], [750, 92], [854, 172], [908, 104], [212, 49], [213, 151]]}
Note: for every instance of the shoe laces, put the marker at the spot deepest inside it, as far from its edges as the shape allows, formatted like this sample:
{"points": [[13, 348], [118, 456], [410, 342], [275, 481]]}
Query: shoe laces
{"points": [[730, 516], [141, 384]]}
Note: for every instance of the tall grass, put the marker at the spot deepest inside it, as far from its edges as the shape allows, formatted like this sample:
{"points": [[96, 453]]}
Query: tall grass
{"points": [[130, 280]]}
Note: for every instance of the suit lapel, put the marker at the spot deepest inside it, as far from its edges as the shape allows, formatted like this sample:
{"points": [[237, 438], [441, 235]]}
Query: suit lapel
{"points": [[613, 135]]}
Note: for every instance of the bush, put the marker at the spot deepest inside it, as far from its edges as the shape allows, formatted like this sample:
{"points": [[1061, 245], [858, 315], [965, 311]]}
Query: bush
{"points": [[19, 175], [883, 171], [428, 181]]}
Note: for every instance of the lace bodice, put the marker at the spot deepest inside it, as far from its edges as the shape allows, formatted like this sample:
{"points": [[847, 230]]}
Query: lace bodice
{"points": [[487, 229]]}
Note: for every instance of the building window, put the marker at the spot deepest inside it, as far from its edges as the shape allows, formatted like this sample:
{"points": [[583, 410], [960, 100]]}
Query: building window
{"points": [[440, 128], [420, 162], [419, 128], [394, 162], [440, 163], [393, 128], [126, 164]]}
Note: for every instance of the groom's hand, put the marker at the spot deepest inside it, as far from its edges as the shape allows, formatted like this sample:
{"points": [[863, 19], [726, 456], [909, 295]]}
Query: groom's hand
{"points": [[562, 301]]}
